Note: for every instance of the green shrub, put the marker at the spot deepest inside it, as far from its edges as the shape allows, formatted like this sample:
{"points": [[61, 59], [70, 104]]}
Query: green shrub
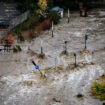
{"points": [[17, 31], [54, 16], [17, 48], [30, 23], [98, 90], [14, 34], [33, 7], [33, 20], [25, 26]]}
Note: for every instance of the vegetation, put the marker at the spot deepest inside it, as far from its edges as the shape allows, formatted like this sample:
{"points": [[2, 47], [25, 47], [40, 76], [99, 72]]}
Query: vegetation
{"points": [[24, 5], [54, 16], [17, 48], [42, 11], [98, 90], [40, 20], [8, 39], [32, 21], [17, 32], [45, 25]]}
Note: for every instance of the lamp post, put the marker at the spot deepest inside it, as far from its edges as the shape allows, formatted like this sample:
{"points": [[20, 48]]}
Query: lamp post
{"points": [[55, 63], [41, 47], [92, 55], [68, 15], [86, 38], [52, 29], [75, 55], [65, 46]]}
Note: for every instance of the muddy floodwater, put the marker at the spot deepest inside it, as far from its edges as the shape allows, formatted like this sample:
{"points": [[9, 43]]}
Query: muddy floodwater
{"points": [[59, 82]]}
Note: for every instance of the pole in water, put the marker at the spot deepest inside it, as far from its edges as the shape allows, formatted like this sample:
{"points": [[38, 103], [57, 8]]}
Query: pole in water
{"points": [[52, 29], [65, 46], [68, 15], [75, 59], [41, 47], [55, 63], [92, 55], [86, 38], [36, 66], [33, 63]]}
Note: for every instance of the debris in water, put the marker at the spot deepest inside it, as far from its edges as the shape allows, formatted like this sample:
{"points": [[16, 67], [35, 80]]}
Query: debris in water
{"points": [[28, 83], [79, 95], [54, 99], [64, 53], [41, 55]]}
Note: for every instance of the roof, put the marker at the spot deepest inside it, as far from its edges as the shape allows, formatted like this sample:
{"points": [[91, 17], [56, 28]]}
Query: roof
{"points": [[57, 9]]}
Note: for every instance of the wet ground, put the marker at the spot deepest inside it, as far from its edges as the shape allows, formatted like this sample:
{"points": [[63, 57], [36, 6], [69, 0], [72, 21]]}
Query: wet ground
{"points": [[59, 81]]}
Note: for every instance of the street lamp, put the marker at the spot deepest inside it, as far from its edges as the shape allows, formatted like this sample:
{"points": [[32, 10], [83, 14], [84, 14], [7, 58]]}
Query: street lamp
{"points": [[41, 47], [86, 38], [75, 55], [52, 29], [65, 46], [68, 15]]}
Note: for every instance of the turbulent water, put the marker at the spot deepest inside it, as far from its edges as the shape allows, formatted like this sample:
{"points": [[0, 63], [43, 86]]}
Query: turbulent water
{"points": [[60, 81]]}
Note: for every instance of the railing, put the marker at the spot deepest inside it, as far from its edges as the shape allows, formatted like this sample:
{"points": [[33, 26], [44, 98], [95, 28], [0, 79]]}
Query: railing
{"points": [[5, 48]]}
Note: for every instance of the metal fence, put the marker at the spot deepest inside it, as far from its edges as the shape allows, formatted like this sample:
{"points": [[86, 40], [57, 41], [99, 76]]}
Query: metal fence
{"points": [[6, 49]]}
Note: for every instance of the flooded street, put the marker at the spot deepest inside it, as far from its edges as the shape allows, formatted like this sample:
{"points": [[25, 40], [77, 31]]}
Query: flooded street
{"points": [[59, 82]]}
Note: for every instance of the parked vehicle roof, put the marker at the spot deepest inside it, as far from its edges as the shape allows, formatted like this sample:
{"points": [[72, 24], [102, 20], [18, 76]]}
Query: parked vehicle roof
{"points": [[4, 22]]}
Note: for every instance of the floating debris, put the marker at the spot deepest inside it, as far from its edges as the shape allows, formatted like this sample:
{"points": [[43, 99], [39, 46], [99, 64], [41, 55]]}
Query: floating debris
{"points": [[79, 95]]}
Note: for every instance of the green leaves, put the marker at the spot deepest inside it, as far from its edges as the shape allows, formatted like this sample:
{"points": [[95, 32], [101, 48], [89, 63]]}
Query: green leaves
{"points": [[17, 48], [98, 90], [54, 16]]}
